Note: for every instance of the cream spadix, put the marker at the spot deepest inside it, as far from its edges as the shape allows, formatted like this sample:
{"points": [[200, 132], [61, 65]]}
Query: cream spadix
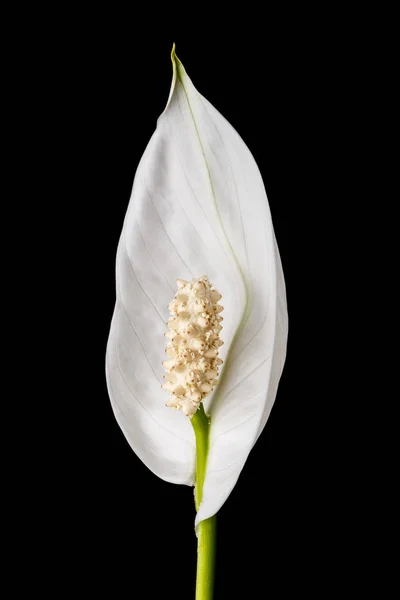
{"points": [[198, 205], [195, 325]]}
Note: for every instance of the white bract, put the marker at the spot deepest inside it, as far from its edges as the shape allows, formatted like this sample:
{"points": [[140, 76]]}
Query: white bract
{"points": [[198, 205]]}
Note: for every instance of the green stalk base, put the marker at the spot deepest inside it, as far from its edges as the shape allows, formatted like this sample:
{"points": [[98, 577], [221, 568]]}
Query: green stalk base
{"points": [[206, 530]]}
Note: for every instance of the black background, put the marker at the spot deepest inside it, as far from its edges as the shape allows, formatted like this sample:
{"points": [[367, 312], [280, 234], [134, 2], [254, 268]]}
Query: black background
{"points": [[109, 524]]}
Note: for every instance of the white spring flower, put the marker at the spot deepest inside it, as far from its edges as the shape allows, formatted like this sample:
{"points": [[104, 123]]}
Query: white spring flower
{"points": [[198, 205]]}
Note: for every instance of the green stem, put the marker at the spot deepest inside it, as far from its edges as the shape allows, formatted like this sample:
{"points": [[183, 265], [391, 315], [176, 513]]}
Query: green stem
{"points": [[206, 530]]}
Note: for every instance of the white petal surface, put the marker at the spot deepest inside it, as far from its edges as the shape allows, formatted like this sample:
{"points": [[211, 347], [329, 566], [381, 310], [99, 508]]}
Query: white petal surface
{"points": [[198, 206]]}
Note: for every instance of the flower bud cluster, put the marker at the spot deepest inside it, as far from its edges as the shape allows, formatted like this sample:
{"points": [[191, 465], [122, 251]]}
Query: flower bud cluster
{"points": [[194, 341]]}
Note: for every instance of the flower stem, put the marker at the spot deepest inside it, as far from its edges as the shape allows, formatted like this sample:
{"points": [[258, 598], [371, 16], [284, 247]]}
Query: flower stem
{"points": [[206, 530]]}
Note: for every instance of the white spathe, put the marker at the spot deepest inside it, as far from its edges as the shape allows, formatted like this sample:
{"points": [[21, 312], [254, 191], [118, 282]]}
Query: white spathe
{"points": [[198, 205]]}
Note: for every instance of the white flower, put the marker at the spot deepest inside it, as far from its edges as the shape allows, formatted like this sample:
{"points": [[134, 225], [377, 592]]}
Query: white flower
{"points": [[198, 206]]}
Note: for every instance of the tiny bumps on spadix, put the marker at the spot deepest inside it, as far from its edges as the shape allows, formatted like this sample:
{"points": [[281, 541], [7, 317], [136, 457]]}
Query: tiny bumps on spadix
{"points": [[194, 334]]}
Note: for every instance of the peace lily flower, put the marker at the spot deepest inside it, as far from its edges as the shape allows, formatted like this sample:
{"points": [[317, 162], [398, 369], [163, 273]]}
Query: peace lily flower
{"points": [[198, 218]]}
